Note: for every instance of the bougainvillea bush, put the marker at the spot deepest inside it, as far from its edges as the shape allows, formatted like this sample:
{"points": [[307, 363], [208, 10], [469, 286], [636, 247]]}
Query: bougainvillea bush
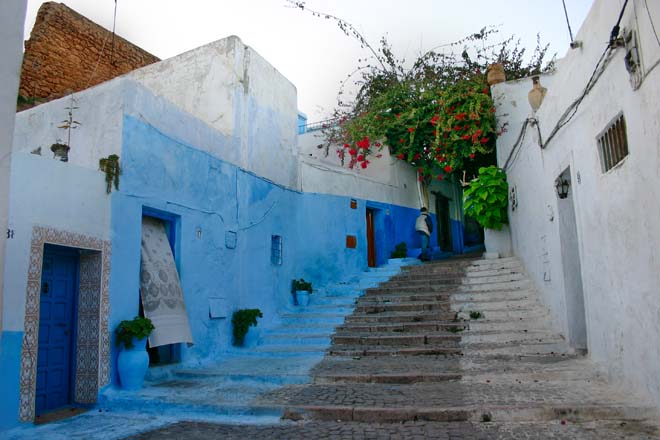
{"points": [[435, 113]]}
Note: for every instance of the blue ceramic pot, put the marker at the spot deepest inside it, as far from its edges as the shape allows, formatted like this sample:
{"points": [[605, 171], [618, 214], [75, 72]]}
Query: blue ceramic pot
{"points": [[132, 365], [303, 297]]}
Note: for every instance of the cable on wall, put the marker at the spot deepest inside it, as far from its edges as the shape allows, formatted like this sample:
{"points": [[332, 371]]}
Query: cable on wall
{"points": [[568, 23]]}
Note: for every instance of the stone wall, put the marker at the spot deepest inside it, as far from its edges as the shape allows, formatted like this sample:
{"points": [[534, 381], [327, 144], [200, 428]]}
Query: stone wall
{"points": [[67, 53]]}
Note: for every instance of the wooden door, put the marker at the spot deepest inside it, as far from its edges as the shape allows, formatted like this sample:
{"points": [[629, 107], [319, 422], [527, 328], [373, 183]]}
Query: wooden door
{"points": [[371, 240]]}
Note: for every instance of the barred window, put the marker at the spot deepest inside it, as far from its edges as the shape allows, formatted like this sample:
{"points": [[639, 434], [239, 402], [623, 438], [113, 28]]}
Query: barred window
{"points": [[613, 144], [276, 249]]}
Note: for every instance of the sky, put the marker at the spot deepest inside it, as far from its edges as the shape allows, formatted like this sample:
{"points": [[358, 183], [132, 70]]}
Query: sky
{"points": [[312, 52]]}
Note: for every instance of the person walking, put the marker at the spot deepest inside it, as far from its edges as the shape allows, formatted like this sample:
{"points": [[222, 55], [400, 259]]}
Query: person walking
{"points": [[424, 228]]}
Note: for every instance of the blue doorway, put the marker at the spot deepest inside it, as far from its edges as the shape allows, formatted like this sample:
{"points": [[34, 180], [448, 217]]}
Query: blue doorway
{"points": [[57, 328]]}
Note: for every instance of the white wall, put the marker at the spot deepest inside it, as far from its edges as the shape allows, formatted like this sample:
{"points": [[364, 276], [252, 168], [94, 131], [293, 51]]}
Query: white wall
{"points": [[386, 179], [54, 194], [12, 18], [234, 90], [617, 213]]}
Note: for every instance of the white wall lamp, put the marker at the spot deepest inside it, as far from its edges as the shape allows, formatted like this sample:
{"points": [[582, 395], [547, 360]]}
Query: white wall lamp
{"points": [[562, 185]]}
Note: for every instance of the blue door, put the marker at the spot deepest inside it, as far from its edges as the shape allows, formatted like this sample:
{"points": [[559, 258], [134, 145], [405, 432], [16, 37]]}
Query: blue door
{"points": [[59, 284]]}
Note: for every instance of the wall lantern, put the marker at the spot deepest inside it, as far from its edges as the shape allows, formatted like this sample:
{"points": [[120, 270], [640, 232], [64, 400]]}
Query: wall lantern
{"points": [[561, 185]]}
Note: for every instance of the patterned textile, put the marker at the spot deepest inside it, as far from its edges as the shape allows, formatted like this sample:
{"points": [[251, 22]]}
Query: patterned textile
{"points": [[160, 288]]}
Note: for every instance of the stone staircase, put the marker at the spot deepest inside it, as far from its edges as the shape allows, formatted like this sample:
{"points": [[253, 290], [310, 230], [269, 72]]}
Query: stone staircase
{"points": [[463, 340], [283, 355]]}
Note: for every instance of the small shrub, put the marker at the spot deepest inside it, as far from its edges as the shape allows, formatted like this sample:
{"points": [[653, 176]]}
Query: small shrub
{"points": [[476, 315], [138, 328], [400, 251], [455, 329], [301, 284], [241, 321]]}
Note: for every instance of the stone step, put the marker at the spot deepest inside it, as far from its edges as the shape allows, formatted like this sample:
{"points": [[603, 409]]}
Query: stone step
{"points": [[574, 412], [301, 328], [400, 317], [457, 280], [295, 338], [314, 318], [368, 308], [400, 328], [392, 378], [378, 350], [412, 340]]}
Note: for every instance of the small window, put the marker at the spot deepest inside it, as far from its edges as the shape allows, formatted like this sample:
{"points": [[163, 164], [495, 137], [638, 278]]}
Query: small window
{"points": [[276, 249], [613, 144]]}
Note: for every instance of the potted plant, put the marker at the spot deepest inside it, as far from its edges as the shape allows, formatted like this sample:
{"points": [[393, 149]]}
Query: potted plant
{"points": [[241, 322], [400, 251], [133, 360], [301, 290], [486, 200]]}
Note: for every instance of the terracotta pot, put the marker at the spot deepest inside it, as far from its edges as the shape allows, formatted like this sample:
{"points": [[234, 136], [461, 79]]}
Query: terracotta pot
{"points": [[536, 95], [496, 74]]}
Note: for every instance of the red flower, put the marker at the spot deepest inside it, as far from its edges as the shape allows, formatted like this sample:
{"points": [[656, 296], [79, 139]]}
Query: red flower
{"points": [[457, 128], [447, 169], [485, 90], [478, 132], [401, 156], [439, 177], [347, 146], [471, 155], [411, 129], [475, 137], [483, 140], [360, 158], [417, 156], [435, 132], [402, 141], [461, 116], [364, 164], [420, 178], [492, 110], [352, 152], [466, 137], [378, 144], [398, 115], [420, 170], [434, 119]]}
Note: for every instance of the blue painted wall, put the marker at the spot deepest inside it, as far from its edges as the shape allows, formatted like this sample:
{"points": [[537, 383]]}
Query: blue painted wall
{"points": [[222, 201], [10, 372]]}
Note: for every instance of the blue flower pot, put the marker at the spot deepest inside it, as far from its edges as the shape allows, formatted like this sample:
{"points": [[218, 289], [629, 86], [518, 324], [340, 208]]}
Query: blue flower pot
{"points": [[132, 365], [303, 297]]}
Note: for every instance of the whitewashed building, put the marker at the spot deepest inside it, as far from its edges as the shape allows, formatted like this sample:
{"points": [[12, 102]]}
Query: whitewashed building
{"points": [[584, 179]]}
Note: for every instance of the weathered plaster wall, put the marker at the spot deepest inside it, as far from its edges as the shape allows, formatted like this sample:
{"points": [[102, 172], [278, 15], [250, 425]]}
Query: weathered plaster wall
{"points": [[46, 193], [12, 17], [67, 52], [617, 212], [235, 91]]}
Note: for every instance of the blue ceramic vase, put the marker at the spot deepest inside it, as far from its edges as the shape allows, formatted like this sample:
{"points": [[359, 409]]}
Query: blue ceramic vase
{"points": [[132, 365]]}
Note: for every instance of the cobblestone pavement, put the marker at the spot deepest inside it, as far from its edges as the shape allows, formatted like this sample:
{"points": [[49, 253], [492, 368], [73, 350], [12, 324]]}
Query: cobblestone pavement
{"points": [[412, 431]]}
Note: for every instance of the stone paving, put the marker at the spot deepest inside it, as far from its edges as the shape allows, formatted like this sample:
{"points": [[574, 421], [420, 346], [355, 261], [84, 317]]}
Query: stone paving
{"points": [[412, 431]]}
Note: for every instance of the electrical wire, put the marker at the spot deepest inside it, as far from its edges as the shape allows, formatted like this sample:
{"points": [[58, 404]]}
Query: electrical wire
{"points": [[114, 23], [568, 23], [516, 146]]}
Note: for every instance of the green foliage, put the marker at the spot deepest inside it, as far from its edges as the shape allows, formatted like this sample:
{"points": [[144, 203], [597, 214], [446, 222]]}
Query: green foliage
{"points": [[241, 321], [301, 284], [138, 327], [400, 251], [476, 315], [110, 166], [486, 198], [437, 115]]}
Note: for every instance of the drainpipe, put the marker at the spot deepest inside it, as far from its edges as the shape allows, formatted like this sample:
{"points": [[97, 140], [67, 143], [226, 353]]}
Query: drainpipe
{"points": [[12, 19]]}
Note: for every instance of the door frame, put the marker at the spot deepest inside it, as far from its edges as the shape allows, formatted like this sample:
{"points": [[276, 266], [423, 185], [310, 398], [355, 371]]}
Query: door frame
{"points": [[443, 217], [93, 336]]}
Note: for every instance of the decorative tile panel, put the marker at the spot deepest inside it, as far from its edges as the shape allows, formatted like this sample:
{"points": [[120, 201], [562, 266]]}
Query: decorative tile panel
{"points": [[93, 341]]}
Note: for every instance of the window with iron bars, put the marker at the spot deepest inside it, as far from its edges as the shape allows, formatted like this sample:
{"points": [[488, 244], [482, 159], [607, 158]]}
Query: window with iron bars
{"points": [[613, 144]]}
